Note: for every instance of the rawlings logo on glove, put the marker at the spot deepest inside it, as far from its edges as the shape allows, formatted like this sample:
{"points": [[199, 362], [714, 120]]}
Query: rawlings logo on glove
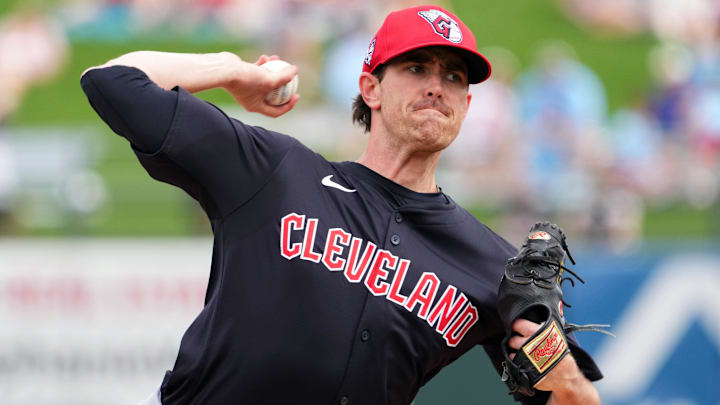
{"points": [[546, 349], [531, 289]]}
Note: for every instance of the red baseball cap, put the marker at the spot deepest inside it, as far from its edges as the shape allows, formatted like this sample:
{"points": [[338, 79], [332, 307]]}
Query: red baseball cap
{"points": [[419, 27]]}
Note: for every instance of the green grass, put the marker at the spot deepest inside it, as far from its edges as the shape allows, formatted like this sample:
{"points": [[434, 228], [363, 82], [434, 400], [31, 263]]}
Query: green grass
{"points": [[680, 221], [62, 101], [521, 26]]}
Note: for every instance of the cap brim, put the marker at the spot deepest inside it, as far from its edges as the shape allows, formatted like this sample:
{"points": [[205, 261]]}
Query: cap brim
{"points": [[479, 68]]}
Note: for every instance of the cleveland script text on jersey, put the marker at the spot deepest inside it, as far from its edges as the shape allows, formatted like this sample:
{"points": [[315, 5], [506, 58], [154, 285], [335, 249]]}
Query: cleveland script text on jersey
{"points": [[453, 315]]}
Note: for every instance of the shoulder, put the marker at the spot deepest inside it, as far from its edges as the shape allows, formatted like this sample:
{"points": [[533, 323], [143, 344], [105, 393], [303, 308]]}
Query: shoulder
{"points": [[486, 238]]}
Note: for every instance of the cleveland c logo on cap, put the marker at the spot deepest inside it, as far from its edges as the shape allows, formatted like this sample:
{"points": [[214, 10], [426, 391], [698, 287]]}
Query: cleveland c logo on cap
{"points": [[443, 25]]}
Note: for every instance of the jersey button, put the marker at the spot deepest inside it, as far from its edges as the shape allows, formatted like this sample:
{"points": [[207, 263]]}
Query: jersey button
{"points": [[344, 401], [398, 217], [365, 335], [395, 239]]}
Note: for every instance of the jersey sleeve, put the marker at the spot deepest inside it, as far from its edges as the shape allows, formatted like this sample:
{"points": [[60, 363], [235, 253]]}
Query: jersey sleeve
{"points": [[184, 141], [130, 104]]}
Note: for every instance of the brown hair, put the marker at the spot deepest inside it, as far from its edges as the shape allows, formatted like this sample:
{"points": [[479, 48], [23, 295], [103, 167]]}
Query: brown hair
{"points": [[360, 110]]}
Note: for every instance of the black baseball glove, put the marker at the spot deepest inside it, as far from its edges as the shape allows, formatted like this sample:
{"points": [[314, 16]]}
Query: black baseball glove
{"points": [[531, 289]]}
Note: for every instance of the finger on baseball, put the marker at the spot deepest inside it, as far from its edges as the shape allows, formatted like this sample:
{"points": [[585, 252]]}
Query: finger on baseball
{"points": [[524, 327], [283, 77], [278, 110], [274, 57], [262, 60]]}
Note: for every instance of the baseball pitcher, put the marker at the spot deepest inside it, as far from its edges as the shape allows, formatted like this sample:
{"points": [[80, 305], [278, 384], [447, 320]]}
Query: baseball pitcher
{"points": [[346, 282]]}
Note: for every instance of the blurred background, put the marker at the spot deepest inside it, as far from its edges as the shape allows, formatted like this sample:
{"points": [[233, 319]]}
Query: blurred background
{"points": [[603, 116]]}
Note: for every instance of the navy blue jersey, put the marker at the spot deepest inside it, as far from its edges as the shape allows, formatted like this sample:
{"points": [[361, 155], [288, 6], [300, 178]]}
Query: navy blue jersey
{"points": [[329, 284]]}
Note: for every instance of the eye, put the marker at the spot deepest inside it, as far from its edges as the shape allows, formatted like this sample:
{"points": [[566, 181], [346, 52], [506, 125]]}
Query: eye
{"points": [[454, 77], [415, 68]]}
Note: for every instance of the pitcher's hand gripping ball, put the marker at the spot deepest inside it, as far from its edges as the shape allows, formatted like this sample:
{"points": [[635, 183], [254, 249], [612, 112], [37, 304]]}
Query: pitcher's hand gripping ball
{"points": [[280, 95], [531, 289]]}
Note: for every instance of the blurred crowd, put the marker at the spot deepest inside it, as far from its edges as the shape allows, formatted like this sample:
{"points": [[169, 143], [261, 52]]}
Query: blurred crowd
{"points": [[538, 141], [542, 142]]}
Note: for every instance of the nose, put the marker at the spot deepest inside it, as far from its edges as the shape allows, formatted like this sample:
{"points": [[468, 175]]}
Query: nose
{"points": [[434, 85]]}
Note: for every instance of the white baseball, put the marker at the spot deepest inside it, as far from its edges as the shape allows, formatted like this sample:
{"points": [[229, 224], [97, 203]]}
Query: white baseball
{"points": [[280, 95]]}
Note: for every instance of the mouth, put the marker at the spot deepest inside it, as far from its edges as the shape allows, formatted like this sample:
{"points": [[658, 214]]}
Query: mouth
{"points": [[430, 111], [431, 108]]}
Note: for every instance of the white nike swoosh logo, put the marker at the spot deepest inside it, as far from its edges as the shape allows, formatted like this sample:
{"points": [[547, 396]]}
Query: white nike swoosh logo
{"points": [[329, 183]]}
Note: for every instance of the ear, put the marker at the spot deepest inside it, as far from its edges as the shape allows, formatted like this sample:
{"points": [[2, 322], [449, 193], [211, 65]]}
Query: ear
{"points": [[467, 105], [370, 90]]}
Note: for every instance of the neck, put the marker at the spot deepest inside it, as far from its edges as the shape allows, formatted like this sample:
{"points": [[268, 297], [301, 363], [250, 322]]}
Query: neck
{"points": [[414, 170]]}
